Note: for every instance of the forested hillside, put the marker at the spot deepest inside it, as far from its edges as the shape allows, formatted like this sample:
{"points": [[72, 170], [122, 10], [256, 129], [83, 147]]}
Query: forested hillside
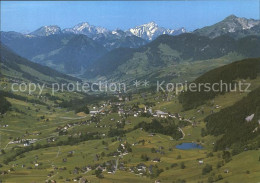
{"points": [[244, 69], [4, 105], [238, 133], [16, 66]]}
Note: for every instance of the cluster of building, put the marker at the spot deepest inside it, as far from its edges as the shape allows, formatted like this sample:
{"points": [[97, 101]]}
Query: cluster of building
{"points": [[25, 142]]}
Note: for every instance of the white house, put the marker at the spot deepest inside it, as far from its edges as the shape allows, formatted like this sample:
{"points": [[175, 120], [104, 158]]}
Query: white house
{"points": [[161, 114]]}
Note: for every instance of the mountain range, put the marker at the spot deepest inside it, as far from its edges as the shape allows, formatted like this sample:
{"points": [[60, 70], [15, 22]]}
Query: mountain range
{"points": [[72, 50], [153, 59], [68, 53], [148, 32], [232, 25], [132, 38], [92, 51]]}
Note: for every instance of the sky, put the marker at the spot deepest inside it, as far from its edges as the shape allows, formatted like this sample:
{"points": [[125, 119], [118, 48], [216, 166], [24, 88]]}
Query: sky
{"points": [[27, 16]]}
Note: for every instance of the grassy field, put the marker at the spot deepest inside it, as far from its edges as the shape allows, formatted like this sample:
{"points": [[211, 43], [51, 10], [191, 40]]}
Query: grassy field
{"points": [[26, 121]]}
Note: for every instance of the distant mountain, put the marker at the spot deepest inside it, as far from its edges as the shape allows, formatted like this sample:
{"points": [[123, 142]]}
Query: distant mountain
{"points": [[86, 29], [119, 38], [232, 25], [132, 38], [19, 68], [68, 53], [151, 30], [94, 51], [109, 39], [166, 51], [47, 31], [48, 39], [12, 35], [148, 31], [74, 57]]}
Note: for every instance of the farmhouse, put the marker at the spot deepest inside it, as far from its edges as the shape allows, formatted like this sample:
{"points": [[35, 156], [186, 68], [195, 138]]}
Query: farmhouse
{"points": [[121, 112], [250, 118], [92, 113], [141, 167], [160, 114], [156, 160]]}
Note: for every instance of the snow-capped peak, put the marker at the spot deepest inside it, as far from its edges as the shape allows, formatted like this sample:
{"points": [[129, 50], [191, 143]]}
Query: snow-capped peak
{"points": [[47, 30], [86, 29], [151, 30], [148, 31], [234, 23], [81, 26], [150, 24]]}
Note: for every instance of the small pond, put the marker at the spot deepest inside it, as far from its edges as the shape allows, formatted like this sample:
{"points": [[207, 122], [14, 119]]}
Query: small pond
{"points": [[189, 145]]}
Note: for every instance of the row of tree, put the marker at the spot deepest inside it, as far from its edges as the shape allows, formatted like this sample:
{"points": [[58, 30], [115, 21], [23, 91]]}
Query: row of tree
{"points": [[163, 126]]}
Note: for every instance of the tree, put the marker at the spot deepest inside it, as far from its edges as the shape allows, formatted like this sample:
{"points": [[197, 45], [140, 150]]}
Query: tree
{"points": [[210, 154], [220, 177], [144, 157], [84, 109], [154, 151], [99, 174], [210, 180], [174, 165], [220, 164], [203, 132], [180, 181], [183, 165], [4, 105], [206, 169], [226, 155]]}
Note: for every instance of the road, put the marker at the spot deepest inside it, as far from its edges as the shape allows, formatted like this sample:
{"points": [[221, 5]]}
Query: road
{"points": [[183, 134]]}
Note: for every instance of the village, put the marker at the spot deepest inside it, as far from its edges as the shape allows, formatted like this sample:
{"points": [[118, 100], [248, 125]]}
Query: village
{"points": [[109, 119], [124, 109]]}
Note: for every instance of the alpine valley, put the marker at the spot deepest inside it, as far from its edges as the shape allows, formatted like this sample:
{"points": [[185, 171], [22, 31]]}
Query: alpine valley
{"points": [[141, 134], [92, 52]]}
